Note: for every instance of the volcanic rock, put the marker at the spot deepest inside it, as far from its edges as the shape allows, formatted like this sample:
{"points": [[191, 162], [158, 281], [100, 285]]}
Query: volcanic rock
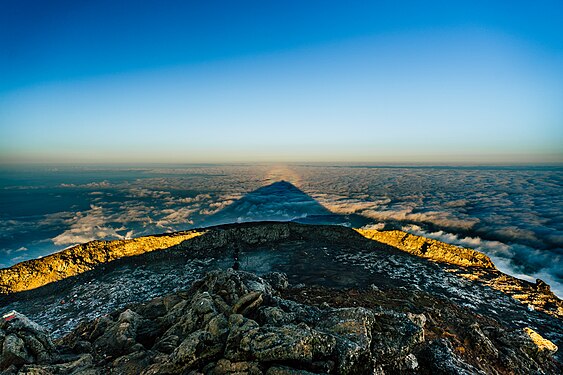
{"points": [[205, 330], [311, 300]]}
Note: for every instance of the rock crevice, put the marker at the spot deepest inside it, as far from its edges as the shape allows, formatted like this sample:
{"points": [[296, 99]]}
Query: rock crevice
{"points": [[233, 322]]}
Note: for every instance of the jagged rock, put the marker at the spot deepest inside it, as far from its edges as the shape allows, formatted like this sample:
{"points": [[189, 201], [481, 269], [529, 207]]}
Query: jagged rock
{"points": [[167, 344], [201, 312], [120, 336], [239, 327], [198, 347], [519, 352], [202, 335], [290, 342], [354, 326], [394, 336], [284, 370], [82, 365], [232, 322], [24, 342], [81, 258], [275, 316], [226, 367], [81, 346], [481, 342], [132, 363], [429, 248], [248, 303], [14, 352], [541, 349], [441, 360], [277, 280]]}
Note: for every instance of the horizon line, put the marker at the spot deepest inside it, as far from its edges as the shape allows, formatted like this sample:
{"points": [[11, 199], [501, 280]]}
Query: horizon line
{"points": [[269, 163]]}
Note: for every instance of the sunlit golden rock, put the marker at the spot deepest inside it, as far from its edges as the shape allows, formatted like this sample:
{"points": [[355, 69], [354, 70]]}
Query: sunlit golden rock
{"points": [[429, 248], [81, 258], [541, 343]]}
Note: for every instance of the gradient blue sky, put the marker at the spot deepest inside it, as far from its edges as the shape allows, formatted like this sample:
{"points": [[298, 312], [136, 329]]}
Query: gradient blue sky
{"points": [[214, 81]]}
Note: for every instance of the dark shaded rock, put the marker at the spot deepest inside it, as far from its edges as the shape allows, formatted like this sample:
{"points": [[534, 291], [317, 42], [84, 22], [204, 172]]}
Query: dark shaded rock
{"points": [[147, 333], [82, 365], [120, 337], [167, 344], [14, 352], [289, 342], [239, 327], [132, 363], [82, 346], [156, 308], [24, 342], [439, 358], [275, 316], [284, 370], [248, 303], [481, 342], [394, 336], [354, 326], [198, 348], [235, 322], [226, 367], [277, 280]]}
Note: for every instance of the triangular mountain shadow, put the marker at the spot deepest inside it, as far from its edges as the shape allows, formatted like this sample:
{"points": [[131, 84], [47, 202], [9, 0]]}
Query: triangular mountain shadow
{"points": [[280, 201]]}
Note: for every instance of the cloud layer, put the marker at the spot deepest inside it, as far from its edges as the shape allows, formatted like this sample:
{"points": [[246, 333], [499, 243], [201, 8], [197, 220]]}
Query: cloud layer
{"points": [[515, 215]]}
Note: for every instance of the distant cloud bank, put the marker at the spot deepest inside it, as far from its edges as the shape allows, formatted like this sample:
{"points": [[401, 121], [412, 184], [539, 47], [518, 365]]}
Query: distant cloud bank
{"points": [[512, 214]]}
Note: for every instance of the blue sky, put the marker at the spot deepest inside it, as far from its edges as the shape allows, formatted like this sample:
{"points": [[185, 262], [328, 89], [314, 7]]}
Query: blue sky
{"points": [[148, 81]]}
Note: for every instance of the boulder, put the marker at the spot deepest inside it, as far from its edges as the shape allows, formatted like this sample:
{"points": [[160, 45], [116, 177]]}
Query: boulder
{"points": [[120, 336], [226, 367], [14, 352], [24, 342], [234, 322], [290, 342], [440, 359]]}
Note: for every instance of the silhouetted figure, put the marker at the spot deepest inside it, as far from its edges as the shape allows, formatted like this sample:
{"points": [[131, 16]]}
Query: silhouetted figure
{"points": [[236, 263]]}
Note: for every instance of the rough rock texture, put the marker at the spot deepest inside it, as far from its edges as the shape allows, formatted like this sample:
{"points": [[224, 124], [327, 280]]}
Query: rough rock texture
{"points": [[456, 341], [536, 296], [467, 313], [234, 322], [94, 255], [81, 258], [429, 248], [23, 341]]}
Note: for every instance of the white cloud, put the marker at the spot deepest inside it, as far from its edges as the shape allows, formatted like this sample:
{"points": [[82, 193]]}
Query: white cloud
{"points": [[174, 217], [517, 260], [517, 211], [87, 226], [439, 218]]}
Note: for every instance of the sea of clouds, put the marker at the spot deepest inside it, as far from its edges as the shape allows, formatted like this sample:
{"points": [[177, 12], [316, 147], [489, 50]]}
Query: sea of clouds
{"points": [[514, 215]]}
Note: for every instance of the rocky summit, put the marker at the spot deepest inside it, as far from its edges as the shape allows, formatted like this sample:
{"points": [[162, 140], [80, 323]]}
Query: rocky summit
{"points": [[275, 298]]}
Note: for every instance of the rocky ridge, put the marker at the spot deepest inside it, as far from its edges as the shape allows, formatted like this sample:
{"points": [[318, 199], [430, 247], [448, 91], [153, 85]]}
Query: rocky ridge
{"points": [[82, 258], [468, 323], [234, 322], [536, 296], [76, 260], [429, 248]]}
